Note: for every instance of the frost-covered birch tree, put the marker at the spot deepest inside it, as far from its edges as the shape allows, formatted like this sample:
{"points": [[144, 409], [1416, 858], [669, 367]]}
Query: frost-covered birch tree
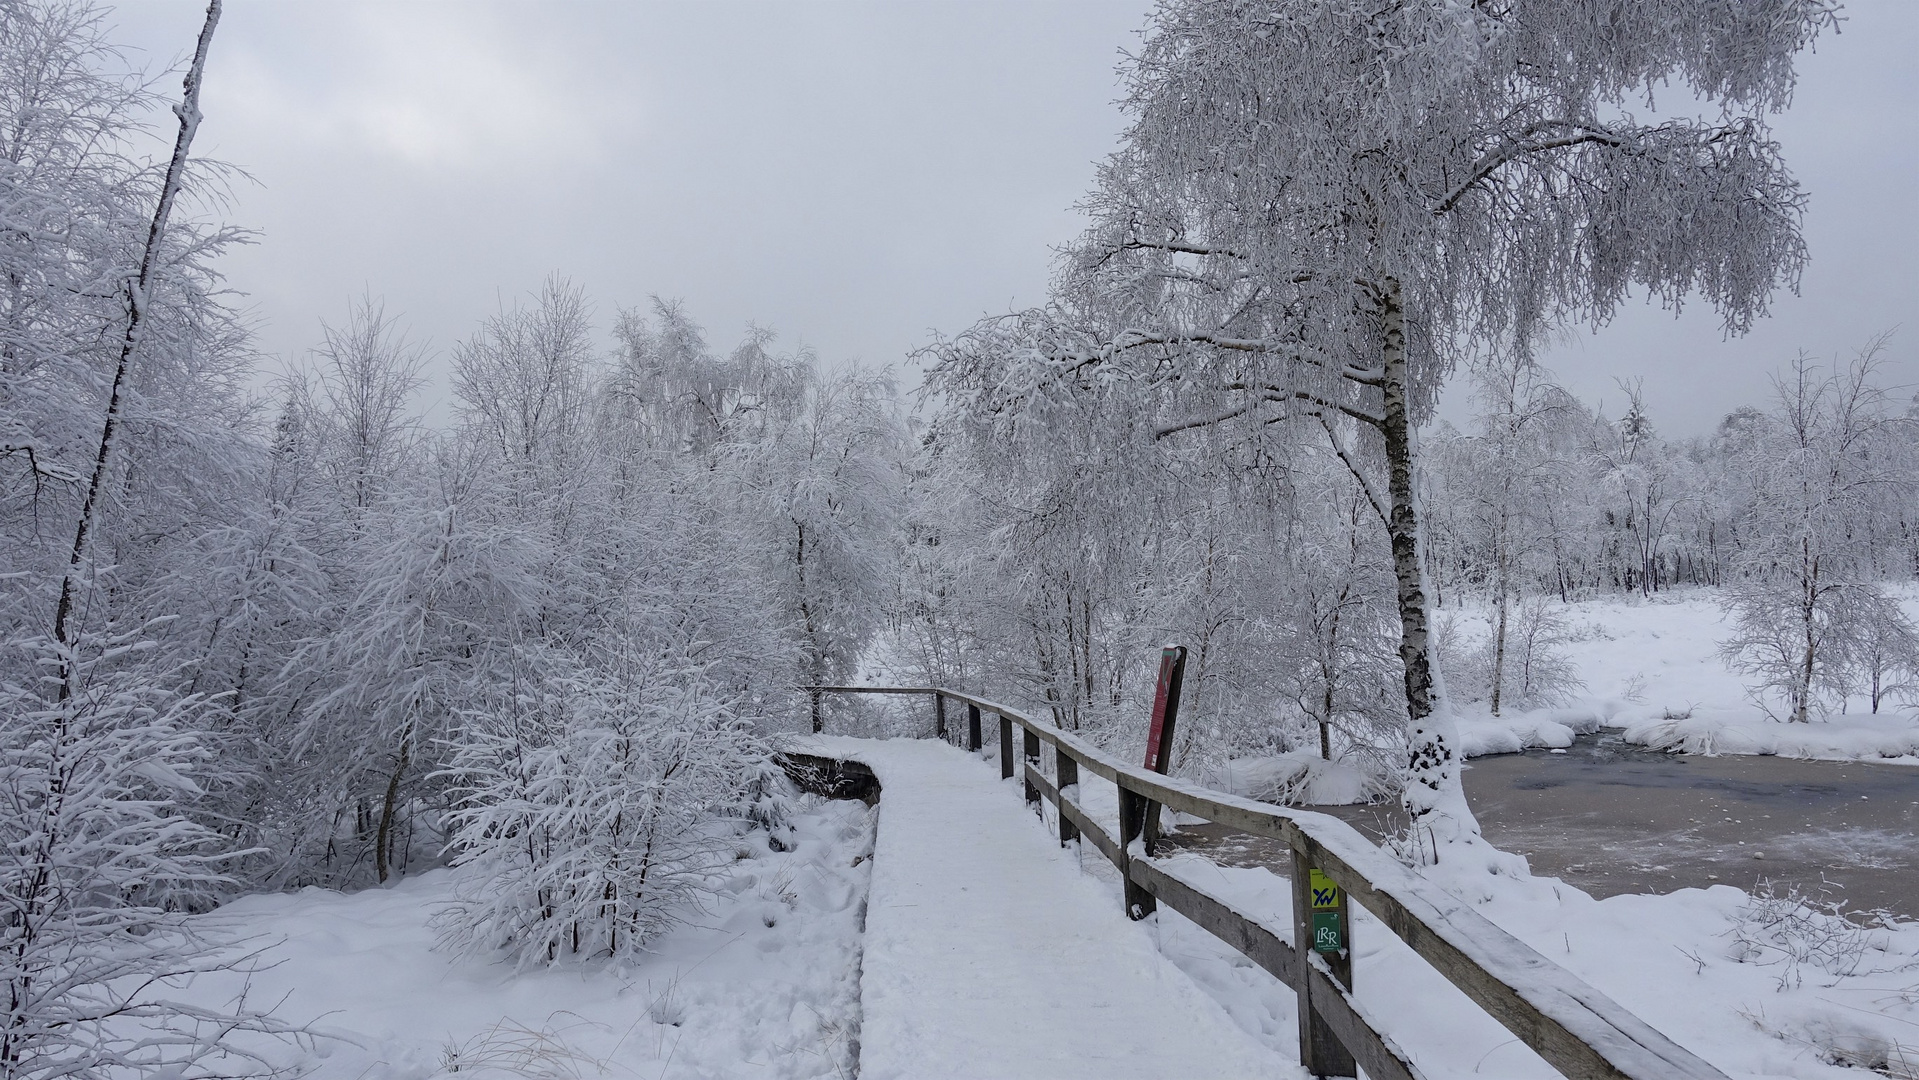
{"points": [[1322, 206], [825, 473], [115, 384], [1809, 617]]}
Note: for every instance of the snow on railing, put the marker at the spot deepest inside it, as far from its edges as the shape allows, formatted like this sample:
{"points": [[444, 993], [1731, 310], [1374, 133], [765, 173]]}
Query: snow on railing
{"points": [[1575, 1028]]}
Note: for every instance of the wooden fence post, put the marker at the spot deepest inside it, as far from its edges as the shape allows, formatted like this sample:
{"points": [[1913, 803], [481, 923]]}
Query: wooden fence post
{"points": [[1005, 748], [819, 722], [939, 716], [973, 740], [1320, 1051], [1032, 754], [1132, 823], [1159, 736], [1066, 775]]}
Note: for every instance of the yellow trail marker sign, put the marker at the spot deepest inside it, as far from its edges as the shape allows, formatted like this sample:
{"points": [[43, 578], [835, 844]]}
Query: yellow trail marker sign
{"points": [[1325, 894]]}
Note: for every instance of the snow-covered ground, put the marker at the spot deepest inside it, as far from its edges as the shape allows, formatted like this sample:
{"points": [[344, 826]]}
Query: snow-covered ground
{"points": [[1758, 987], [1651, 668], [1796, 996], [769, 981], [764, 984]]}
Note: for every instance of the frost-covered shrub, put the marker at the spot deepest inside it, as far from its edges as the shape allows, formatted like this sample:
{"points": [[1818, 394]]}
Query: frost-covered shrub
{"points": [[97, 866], [1885, 655], [1803, 658], [584, 810], [1782, 926]]}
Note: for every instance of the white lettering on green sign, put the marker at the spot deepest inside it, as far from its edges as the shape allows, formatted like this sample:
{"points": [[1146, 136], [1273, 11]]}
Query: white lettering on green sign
{"points": [[1327, 937]]}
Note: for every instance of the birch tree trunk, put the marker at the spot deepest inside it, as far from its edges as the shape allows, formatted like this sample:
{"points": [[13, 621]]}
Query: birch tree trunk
{"points": [[64, 631], [1502, 606], [1432, 771]]}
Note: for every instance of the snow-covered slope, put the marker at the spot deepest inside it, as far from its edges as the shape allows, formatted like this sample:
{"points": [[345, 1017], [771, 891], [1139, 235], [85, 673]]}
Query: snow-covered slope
{"points": [[762, 985]]}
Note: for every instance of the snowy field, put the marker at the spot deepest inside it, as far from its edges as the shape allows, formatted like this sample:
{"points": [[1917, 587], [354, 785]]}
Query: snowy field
{"points": [[1651, 668], [762, 984]]}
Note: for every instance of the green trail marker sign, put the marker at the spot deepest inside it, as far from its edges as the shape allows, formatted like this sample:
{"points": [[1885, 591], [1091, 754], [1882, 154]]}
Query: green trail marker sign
{"points": [[1328, 935]]}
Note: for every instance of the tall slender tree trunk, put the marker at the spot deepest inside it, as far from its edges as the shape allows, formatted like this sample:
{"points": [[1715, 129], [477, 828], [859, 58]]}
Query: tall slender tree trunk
{"points": [[1809, 624], [1503, 605], [1432, 773], [389, 808], [1329, 673], [1326, 718], [188, 111], [1502, 593]]}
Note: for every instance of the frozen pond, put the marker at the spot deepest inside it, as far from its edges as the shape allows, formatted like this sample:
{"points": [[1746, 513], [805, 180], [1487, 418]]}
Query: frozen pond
{"points": [[1611, 818]]}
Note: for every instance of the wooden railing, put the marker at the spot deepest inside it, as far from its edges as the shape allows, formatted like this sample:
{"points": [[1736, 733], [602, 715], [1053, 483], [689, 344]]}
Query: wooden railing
{"points": [[1575, 1028]]}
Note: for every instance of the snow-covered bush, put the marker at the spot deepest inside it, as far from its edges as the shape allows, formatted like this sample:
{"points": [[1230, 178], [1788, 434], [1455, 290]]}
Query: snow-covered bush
{"points": [[1783, 927], [1885, 654], [1538, 669], [584, 808], [1794, 650], [1338, 664], [98, 866]]}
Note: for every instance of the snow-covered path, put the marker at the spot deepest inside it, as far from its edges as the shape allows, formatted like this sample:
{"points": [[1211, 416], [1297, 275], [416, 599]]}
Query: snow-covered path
{"points": [[990, 955]]}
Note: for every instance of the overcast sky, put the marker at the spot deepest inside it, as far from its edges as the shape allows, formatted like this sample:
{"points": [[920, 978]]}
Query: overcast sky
{"points": [[852, 175]]}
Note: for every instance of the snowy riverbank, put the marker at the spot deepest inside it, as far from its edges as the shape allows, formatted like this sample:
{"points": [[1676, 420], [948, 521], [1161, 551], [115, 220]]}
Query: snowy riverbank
{"points": [[1651, 669]]}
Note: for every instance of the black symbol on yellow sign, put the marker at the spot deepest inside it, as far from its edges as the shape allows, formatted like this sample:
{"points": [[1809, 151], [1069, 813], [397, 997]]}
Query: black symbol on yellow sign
{"points": [[1325, 894]]}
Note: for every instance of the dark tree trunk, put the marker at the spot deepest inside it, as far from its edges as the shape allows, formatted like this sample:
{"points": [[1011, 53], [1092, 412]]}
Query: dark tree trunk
{"points": [[1431, 761], [137, 294], [383, 841]]}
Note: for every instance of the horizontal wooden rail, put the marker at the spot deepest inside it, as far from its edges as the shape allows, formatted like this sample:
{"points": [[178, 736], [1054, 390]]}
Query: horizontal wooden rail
{"points": [[878, 690], [1578, 1030]]}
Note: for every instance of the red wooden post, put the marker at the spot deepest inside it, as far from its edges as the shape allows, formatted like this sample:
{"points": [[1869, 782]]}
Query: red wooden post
{"points": [[1159, 739]]}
